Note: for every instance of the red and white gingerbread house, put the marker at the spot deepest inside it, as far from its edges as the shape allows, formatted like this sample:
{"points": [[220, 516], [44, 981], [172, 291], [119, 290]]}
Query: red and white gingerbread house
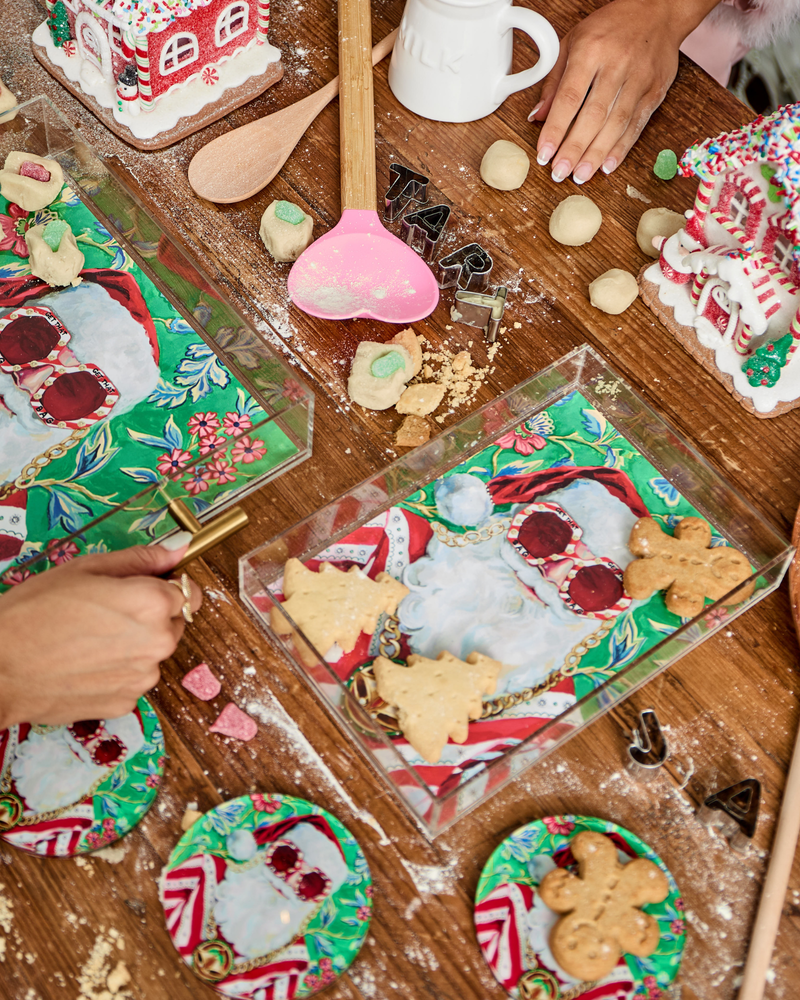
{"points": [[733, 273], [153, 62]]}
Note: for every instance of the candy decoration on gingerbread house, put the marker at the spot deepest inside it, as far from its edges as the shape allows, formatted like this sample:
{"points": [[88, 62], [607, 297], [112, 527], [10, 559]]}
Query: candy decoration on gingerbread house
{"points": [[728, 284], [153, 63]]}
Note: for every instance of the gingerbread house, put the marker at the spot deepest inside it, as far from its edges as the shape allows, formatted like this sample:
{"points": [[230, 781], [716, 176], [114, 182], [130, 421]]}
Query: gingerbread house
{"points": [[728, 284], [154, 62]]}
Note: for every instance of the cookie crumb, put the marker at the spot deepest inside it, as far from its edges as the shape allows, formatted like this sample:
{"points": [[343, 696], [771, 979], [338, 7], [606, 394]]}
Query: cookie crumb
{"points": [[413, 432]]}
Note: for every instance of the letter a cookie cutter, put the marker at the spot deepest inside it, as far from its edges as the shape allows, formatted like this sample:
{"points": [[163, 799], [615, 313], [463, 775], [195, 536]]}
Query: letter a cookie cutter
{"points": [[428, 223], [481, 310], [468, 267], [406, 185], [648, 749], [739, 805]]}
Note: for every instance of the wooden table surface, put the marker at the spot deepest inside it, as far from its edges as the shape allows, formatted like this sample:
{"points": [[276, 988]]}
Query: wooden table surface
{"points": [[731, 705]]}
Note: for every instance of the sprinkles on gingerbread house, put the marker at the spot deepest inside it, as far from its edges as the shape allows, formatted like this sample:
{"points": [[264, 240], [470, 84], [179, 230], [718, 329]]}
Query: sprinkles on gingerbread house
{"points": [[728, 284], [155, 62]]}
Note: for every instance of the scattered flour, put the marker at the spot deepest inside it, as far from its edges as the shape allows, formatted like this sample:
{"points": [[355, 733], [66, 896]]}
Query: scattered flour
{"points": [[432, 880], [6, 919], [96, 979]]}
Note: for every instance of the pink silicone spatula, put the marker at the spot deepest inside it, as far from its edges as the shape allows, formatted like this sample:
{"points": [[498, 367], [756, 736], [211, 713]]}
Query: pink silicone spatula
{"points": [[358, 268]]}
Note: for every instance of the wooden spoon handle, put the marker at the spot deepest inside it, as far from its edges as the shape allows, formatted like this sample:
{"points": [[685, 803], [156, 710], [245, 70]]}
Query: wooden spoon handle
{"points": [[356, 106]]}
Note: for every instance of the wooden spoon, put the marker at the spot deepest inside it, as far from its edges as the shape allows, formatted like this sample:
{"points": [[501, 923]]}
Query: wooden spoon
{"points": [[240, 163]]}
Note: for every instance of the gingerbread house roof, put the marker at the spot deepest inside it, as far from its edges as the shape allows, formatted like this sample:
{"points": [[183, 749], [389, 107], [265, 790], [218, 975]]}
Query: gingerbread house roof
{"points": [[141, 17], [774, 139]]}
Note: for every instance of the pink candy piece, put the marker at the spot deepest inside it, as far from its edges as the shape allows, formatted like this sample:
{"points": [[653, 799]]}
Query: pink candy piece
{"points": [[232, 721], [34, 170], [202, 683]]}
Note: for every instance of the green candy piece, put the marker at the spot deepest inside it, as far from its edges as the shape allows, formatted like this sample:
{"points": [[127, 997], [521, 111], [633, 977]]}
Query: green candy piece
{"points": [[764, 368], [387, 364], [287, 212], [53, 233], [666, 165]]}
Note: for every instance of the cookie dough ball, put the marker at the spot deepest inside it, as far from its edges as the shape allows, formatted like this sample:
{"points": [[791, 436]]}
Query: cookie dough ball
{"points": [[657, 222], [505, 166], [286, 230], [613, 291], [7, 101], [575, 221], [30, 181], [54, 254], [379, 374]]}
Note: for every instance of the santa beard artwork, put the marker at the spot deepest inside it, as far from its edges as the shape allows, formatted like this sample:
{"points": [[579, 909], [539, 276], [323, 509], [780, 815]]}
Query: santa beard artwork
{"points": [[104, 333], [484, 597]]}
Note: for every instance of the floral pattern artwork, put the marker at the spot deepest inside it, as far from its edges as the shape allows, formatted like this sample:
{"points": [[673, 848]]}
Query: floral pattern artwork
{"points": [[227, 867], [507, 886], [195, 425], [54, 760]]}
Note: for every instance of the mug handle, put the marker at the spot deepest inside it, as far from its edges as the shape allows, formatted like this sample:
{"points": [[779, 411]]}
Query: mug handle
{"points": [[546, 39]]}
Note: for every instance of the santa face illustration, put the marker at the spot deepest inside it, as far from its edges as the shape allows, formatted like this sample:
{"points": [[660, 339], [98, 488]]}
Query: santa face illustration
{"points": [[12, 526]]}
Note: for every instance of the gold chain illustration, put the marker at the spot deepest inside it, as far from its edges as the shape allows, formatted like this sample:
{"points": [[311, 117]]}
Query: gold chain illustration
{"points": [[31, 471]]}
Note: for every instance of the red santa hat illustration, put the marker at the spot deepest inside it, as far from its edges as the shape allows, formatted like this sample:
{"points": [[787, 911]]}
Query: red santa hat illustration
{"points": [[12, 525], [524, 489]]}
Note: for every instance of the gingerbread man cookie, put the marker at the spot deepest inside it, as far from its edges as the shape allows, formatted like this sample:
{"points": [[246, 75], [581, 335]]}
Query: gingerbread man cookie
{"points": [[332, 607], [435, 699], [602, 919], [684, 566]]}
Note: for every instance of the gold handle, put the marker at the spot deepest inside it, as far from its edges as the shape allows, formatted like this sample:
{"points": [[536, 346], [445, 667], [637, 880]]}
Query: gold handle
{"points": [[206, 536]]}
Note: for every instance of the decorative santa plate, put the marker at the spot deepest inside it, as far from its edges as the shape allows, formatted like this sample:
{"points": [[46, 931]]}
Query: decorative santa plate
{"points": [[267, 896], [66, 790], [513, 924]]}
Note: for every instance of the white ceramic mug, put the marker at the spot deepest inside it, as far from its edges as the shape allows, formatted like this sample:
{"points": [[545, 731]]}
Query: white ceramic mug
{"points": [[452, 59]]}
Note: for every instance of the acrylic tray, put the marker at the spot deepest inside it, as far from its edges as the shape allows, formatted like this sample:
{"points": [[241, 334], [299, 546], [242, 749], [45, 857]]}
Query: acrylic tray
{"points": [[221, 413], [578, 414]]}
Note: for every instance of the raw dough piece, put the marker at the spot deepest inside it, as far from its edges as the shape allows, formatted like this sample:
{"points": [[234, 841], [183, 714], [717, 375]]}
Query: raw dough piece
{"points": [[657, 222], [613, 291], [420, 399], [201, 683], [505, 166], [60, 267], [7, 101], [435, 699], [367, 388], [413, 432], [408, 339], [28, 192], [285, 240], [232, 721], [575, 221]]}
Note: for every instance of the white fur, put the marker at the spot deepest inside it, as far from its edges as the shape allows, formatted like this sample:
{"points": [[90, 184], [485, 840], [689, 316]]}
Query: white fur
{"points": [[760, 26]]}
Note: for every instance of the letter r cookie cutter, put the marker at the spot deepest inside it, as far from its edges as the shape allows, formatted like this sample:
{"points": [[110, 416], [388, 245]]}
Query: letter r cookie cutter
{"points": [[406, 185], [468, 267]]}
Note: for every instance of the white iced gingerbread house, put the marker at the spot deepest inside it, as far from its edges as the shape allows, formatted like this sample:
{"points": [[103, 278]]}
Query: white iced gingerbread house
{"points": [[733, 273], [153, 62]]}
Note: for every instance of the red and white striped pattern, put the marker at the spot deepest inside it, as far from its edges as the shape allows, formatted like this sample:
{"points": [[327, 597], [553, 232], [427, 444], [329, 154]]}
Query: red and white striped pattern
{"points": [[698, 284], [263, 21], [143, 69], [695, 226], [794, 329]]}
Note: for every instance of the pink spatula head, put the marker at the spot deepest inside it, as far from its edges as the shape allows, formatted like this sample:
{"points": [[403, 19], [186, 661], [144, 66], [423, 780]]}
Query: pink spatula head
{"points": [[360, 269]]}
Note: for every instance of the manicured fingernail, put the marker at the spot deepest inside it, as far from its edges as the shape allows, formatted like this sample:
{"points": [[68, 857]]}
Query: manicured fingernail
{"points": [[582, 173], [533, 113], [561, 170], [609, 165], [178, 541], [545, 154]]}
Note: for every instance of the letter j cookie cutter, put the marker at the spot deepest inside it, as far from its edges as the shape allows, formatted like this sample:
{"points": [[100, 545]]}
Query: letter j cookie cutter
{"points": [[648, 748]]}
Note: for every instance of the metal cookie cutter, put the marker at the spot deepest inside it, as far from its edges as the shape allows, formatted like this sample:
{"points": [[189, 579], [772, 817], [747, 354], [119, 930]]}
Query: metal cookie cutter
{"points": [[406, 185], [468, 267], [478, 309], [739, 804], [648, 749], [428, 223]]}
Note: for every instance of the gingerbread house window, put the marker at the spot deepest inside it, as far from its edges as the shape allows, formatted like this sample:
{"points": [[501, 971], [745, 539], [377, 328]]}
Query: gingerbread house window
{"points": [[739, 210], [782, 253], [116, 37], [231, 22], [178, 52]]}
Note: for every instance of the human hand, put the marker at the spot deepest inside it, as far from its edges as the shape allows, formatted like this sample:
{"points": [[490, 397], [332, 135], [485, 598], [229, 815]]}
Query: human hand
{"points": [[614, 70], [84, 640]]}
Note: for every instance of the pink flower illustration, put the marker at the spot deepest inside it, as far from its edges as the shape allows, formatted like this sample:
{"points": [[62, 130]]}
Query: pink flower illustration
{"points": [[209, 76], [265, 803], [59, 552], [152, 780], [293, 390], [173, 461], [680, 905], [312, 982], [14, 226], [16, 576], [222, 471], [326, 968], [714, 618], [234, 423], [204, 423], [197, 481], [247, 450], [364, 913], [209, 442], [555, 827], [523, 444], [677, 927], [369, 892]]}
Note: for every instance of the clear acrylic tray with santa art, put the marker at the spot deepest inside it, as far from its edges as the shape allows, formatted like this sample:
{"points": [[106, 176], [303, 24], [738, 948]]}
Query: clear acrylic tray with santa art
{"points": [[575, 441], [208, 412]]}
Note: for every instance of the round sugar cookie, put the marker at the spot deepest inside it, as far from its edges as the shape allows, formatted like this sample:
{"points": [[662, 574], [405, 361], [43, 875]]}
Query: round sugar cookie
{"points": [[506, 898], [267, 895], [67, 790]]}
